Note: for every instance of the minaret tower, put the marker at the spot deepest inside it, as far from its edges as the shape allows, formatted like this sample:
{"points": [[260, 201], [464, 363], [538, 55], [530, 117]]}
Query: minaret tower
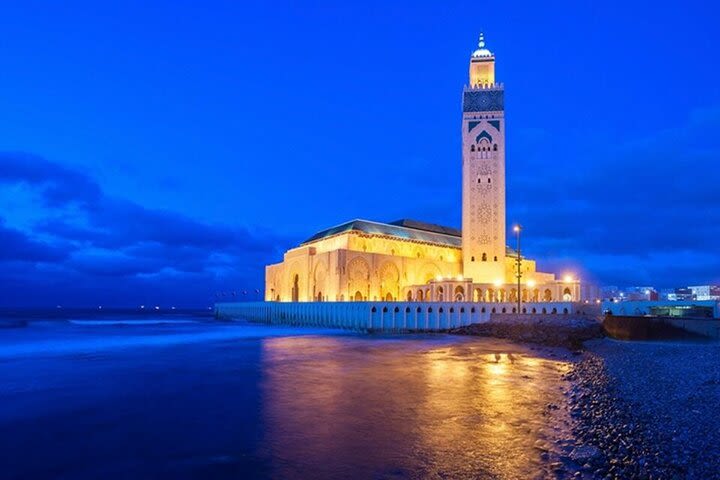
{"points": [[483, 164]]}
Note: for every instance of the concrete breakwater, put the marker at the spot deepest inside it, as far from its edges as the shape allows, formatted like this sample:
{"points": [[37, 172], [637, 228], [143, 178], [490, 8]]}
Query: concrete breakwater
{"points": [[391, 316], [624, 327], [553, 330]]}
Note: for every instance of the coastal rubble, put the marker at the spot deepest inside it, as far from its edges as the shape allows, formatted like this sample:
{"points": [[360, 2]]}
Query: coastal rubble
{"points": [[646, 410]]}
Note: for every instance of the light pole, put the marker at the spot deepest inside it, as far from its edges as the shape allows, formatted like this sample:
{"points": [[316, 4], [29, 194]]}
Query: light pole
{"points": [[517, 229]]}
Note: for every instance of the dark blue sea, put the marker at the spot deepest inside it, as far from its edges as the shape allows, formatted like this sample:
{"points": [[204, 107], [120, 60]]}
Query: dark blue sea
{"points": [[130, 395]]}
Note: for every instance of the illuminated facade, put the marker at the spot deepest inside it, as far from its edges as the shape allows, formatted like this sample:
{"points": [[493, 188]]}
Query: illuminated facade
{"points": [[409, 260]]}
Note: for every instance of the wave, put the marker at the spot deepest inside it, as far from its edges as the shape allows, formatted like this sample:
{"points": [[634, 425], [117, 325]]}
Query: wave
{"points": [[158, 321]]}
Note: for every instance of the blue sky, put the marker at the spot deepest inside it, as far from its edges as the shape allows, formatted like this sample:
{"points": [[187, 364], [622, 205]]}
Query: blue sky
{"points": [[159, 152]]}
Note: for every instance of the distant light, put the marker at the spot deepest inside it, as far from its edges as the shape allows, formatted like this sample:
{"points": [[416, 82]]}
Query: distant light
{"points": [[531, 283], [157, 308], [647, 292], [100, 307], [498, 283], [142, 307], [568, 279], [438, 278], [597, 301], [172, 308], [459, 278], [516, 228]]}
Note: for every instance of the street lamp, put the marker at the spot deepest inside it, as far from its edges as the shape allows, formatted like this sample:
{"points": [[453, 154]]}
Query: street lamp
{"points": [[517, 229]]}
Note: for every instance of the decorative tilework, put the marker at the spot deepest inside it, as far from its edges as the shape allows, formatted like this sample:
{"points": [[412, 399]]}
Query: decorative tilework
{"points": [[495, 123], [472, 125], [483, 134], [483, 101]]}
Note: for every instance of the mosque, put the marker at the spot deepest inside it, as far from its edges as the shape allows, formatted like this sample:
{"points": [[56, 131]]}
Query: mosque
{"points": [[409, 260]]}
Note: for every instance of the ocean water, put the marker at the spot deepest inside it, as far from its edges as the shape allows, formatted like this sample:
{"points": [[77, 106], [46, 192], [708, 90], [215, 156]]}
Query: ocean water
{"points": [[124, 396]]}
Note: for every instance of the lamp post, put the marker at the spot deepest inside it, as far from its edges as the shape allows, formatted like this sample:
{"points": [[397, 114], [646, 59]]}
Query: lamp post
{"points": [[517, 229]]}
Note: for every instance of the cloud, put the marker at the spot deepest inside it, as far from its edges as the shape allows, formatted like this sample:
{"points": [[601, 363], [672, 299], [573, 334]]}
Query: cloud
{"points": [[116, 243], [621, 209], [59, 185], [15, 246]]}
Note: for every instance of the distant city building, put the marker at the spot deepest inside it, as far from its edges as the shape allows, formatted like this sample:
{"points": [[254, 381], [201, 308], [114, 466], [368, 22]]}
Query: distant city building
{"points": [[682, 294], [363, 260], [629, 294], [706, 292]]}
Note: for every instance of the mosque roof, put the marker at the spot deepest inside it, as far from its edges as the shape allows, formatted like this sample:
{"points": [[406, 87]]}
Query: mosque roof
{"points": [[404, 229]]}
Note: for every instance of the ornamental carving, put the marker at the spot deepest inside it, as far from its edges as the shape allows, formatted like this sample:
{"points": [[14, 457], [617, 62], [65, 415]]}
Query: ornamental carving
{"points": [[483, 101]]}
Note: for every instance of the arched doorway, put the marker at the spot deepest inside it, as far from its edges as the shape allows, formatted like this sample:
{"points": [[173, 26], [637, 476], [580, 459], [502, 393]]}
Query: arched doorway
{"points": [[409, 296], [419, 296], [567, 295], [439, 296], [296, 288], [459, 294], [547, 296], [478, 297], [389, 297], [358, 296]]}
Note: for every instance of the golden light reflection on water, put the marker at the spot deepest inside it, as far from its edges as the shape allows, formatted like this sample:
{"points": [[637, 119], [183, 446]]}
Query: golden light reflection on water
{"points": [[418, 408]]}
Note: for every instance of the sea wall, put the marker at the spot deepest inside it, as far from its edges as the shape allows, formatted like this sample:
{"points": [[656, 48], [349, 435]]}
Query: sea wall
{"points": [[387, 316], [630, 327]]}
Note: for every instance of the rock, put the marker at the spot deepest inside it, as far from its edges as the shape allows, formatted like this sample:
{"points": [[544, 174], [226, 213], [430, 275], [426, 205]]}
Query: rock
{"points": [[585, 453]]}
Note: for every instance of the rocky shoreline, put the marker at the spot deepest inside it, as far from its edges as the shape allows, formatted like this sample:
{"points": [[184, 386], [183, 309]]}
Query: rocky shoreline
{"points": [[568, 331], [639, 413]]}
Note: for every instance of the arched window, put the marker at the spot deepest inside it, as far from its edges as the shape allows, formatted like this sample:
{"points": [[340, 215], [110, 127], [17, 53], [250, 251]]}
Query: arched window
{"points": [[489, 180], [373, 310], [384, 309], [407, 309], [472, 259], [397, 309], [484, 257], [472, 148], [495, 258], [495, 147], [482, 310], [452, 310]]}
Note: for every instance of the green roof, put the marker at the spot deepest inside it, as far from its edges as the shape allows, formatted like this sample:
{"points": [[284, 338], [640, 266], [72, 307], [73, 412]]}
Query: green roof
{"points": [[404, 229]]}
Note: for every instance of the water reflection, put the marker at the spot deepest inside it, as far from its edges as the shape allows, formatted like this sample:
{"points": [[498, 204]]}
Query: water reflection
{"points": [[418, 408]]}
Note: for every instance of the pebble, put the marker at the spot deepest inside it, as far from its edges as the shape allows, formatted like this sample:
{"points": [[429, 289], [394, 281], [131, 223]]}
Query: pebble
{"points": [[636, 406]]}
